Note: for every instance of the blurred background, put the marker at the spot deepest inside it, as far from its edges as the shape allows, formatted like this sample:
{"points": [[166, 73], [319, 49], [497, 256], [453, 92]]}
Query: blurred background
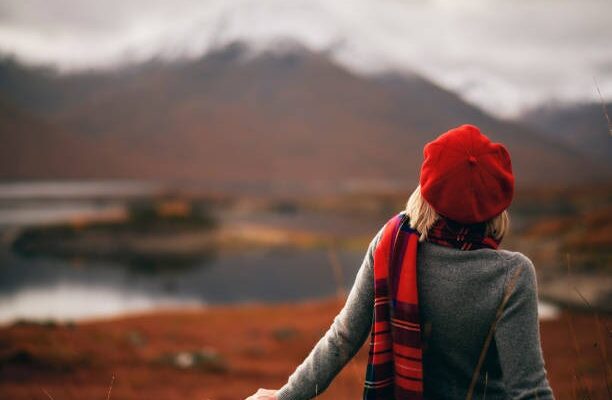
{"points": [[187, 188]]}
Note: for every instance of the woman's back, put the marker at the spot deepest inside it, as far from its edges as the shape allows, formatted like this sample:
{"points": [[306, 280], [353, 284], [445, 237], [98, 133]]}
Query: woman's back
{"points": [[459, 295]]}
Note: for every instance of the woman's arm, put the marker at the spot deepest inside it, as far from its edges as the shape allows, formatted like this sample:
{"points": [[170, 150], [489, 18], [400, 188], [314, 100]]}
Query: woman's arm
{"points": [[343, 339], [517, 337]]}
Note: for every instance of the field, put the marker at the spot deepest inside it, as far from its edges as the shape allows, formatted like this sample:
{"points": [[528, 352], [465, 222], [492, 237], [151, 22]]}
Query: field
{"points": [[227, 352]]}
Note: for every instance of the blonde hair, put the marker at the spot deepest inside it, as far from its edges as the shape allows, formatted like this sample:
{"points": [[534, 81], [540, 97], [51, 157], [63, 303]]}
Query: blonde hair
{"points": [[423, 216]]}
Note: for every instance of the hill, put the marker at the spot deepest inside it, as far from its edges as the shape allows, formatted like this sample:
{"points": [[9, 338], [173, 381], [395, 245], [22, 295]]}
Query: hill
{"points": [[292, 118], [580, 126]]}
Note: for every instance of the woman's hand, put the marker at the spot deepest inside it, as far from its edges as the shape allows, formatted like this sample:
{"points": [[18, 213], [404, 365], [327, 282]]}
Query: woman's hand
{"points": [[263, 394]]}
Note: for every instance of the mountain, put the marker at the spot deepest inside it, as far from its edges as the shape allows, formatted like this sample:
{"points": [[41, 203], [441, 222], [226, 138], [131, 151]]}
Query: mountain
{"points": [[230, 116], [583, 127], [34, 148]]}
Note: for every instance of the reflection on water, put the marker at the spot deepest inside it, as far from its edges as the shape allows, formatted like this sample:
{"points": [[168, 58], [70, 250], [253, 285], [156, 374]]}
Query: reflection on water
{"points": [[156, 264], [69, 300], [547, 311], [76, 189], [50, 212], [53, 289], [25, 203], [44, 289]]}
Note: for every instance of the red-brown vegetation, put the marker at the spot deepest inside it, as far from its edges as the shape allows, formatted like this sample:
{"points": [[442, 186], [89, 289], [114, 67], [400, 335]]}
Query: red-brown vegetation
{"points": [[239, 349]]}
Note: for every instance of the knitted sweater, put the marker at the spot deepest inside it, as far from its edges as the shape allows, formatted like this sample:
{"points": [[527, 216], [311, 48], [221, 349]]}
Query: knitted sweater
{"points": [[459, 293]]}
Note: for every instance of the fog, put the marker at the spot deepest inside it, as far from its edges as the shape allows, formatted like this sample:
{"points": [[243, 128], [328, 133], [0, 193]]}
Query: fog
{"points": [[504, 56]]}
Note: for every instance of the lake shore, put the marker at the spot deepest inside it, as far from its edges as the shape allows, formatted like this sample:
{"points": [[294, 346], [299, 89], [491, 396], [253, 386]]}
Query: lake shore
{"points": [[227, 352]]}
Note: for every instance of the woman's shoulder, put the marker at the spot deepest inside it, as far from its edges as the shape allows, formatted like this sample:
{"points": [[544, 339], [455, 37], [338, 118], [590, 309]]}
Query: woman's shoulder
{"points": [[519, 265], [514, 259]]}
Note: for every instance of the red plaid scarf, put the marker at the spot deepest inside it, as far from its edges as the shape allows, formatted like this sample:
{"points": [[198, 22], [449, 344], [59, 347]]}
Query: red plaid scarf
{"points": [[395, 368]]}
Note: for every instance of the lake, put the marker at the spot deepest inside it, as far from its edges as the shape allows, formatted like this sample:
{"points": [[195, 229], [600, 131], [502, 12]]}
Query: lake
{"points": [[46, 288], [42, 288]]}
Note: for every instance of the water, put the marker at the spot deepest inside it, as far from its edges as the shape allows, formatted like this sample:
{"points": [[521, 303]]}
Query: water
{"points": [[75, 189], [35, 203], [37, 213], [44, 288], [47, 289]]}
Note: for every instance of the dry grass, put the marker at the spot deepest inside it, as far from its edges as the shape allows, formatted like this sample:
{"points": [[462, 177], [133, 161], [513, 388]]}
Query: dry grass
{"points": [[603, 106], [256, 356]]}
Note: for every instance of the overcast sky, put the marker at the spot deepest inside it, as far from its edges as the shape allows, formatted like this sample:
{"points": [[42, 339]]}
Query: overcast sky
{"points": [[503, 55]]}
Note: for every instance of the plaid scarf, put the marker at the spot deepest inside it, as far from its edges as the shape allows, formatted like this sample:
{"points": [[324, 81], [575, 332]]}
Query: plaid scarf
{"points": [[395, 368]]}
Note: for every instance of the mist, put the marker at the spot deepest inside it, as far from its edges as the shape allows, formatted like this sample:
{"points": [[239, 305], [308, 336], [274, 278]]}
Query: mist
{"points": [[503, 56]]}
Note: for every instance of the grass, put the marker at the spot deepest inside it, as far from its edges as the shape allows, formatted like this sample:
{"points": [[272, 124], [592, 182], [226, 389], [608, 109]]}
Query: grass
{"points": [[603, 107], [600, 344], [111, 352], [108, 393]]}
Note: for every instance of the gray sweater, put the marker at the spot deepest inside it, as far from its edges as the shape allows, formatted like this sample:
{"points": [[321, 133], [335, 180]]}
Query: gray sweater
{"points": [[459, 293]]}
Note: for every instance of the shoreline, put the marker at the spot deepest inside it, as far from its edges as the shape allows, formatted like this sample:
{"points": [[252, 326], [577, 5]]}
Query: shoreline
{"points": [[548, 311]]}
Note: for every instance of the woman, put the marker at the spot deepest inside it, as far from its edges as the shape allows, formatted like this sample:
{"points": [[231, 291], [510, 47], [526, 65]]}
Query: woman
{"points": [[450, 315]]}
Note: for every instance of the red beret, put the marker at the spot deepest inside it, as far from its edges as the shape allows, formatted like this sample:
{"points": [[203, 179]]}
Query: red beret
{"points": [[466, 177]]}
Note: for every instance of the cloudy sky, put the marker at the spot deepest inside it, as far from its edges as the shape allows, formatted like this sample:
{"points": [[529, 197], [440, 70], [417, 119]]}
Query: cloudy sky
{"points": [[503, 55]]}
